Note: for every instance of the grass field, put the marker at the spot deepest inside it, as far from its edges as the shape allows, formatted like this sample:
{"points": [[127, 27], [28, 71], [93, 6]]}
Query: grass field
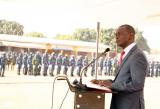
{"points": [[29, 92]]}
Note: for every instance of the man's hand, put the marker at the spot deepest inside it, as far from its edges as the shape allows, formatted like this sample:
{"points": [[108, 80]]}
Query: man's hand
{"points": [[95, 81], [105, 83]]}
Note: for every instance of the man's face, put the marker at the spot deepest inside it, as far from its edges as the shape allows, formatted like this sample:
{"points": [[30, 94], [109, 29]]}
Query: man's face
{"points": [[122, 37]]}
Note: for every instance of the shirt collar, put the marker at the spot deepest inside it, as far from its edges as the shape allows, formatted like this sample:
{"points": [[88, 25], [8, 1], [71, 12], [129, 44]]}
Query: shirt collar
{"points": [[128, 48]]}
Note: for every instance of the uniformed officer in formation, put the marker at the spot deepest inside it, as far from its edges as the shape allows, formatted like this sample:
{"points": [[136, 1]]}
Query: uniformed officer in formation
{"points": [[19, 63], [72, 63], [3, 61], [45, 63], [52, 63], [58, 64], [37, 64], [93, 66], [109, 66], [158, 68], [105, 66], [13, 60], [65, 64], [30, 65], [154, 68], [8, 60], [85, 63], [79, 65], [100, 65], [25, 63]]}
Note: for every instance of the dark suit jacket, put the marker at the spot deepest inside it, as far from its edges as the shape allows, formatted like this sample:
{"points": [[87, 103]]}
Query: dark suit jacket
{"points": [[129, 81]]}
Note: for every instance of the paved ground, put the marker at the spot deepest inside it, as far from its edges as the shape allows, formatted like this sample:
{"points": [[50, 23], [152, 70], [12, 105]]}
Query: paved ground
{"points": [[29, 92]]}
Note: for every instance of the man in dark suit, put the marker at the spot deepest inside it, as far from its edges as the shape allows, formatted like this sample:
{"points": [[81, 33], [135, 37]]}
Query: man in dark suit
{"points": [[131, 72]]}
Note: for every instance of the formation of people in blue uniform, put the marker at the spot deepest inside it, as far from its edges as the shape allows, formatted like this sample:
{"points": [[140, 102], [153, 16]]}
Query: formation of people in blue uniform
{"points": [[154, 69], [52, 64]]}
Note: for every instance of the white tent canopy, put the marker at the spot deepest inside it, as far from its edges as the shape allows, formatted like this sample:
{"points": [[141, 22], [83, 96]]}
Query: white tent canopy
{"points": [[111, 12], [52, 17]]}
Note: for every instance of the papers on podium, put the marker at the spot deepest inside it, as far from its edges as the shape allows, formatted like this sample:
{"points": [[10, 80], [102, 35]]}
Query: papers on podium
{"points": [[96, 87]]}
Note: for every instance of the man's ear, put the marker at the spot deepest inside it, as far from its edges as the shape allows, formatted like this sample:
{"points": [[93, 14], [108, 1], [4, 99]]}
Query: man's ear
{"points": [[131, 35]]}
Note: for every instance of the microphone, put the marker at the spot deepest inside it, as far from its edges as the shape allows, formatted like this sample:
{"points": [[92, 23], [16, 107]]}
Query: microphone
{"points": [[106, 50]]}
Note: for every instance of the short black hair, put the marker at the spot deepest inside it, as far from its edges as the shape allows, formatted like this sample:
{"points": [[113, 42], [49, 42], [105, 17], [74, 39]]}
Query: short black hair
{"points": [[129, 28]]}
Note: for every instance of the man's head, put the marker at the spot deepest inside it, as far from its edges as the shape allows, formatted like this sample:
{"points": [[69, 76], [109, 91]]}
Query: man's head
{"points": [[125, 35]]}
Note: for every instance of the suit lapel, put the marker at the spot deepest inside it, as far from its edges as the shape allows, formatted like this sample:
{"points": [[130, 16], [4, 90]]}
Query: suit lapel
{"points": [[124, 60]]}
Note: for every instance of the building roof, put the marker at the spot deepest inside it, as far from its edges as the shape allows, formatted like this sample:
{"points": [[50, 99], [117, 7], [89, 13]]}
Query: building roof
{"points": [[44, 43]]}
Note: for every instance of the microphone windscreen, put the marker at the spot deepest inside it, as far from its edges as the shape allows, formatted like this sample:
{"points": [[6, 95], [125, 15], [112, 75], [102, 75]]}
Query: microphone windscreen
{"points": [[107, 49]]}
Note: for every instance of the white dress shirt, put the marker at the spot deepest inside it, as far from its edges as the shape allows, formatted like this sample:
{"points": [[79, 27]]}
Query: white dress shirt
{"points": [[128, 48]]}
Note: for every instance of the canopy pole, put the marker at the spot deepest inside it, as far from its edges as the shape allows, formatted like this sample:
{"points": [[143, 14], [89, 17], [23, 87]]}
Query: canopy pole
{"points": [[97, 44]]}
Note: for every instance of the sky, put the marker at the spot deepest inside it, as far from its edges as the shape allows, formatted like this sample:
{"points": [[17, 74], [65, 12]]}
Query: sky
{"points": [[53, 17]]}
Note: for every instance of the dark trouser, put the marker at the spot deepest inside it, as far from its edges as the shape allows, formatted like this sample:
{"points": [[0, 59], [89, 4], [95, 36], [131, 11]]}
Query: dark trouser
{"points": [[2, 70], [79, 70], [45, 69], [72, 70], [25, 70], [19, 69], [92, 71], [36, 70], [30, 69], [51, 70], [58, 69], [85, 71]]}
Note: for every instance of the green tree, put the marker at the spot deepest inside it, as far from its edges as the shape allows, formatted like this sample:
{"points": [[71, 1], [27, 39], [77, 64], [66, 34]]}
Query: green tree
{"points": [[85, 34], [64, 37], [107, 37], [11, 28], [35, 34]]}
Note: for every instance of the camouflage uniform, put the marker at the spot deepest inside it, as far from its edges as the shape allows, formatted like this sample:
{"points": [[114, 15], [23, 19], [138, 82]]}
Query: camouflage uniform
{"points": [[45, 63], [13, 60], [36, 64], [30, 65], [52, 63]]}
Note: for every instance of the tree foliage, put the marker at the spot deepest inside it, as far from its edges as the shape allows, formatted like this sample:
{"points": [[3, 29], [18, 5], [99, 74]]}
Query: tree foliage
{"points": [[85, 34], [64, 37], [107, 37], [141, 41], [35, 34], [11, 28]]}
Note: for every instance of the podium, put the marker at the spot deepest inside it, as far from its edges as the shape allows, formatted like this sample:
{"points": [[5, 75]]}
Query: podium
{"points": [[89, 100], [88, 97]]}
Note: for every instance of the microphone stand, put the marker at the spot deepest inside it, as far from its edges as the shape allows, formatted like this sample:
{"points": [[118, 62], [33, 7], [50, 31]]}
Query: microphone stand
{"points": [[80, 81], [78, 85]]}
